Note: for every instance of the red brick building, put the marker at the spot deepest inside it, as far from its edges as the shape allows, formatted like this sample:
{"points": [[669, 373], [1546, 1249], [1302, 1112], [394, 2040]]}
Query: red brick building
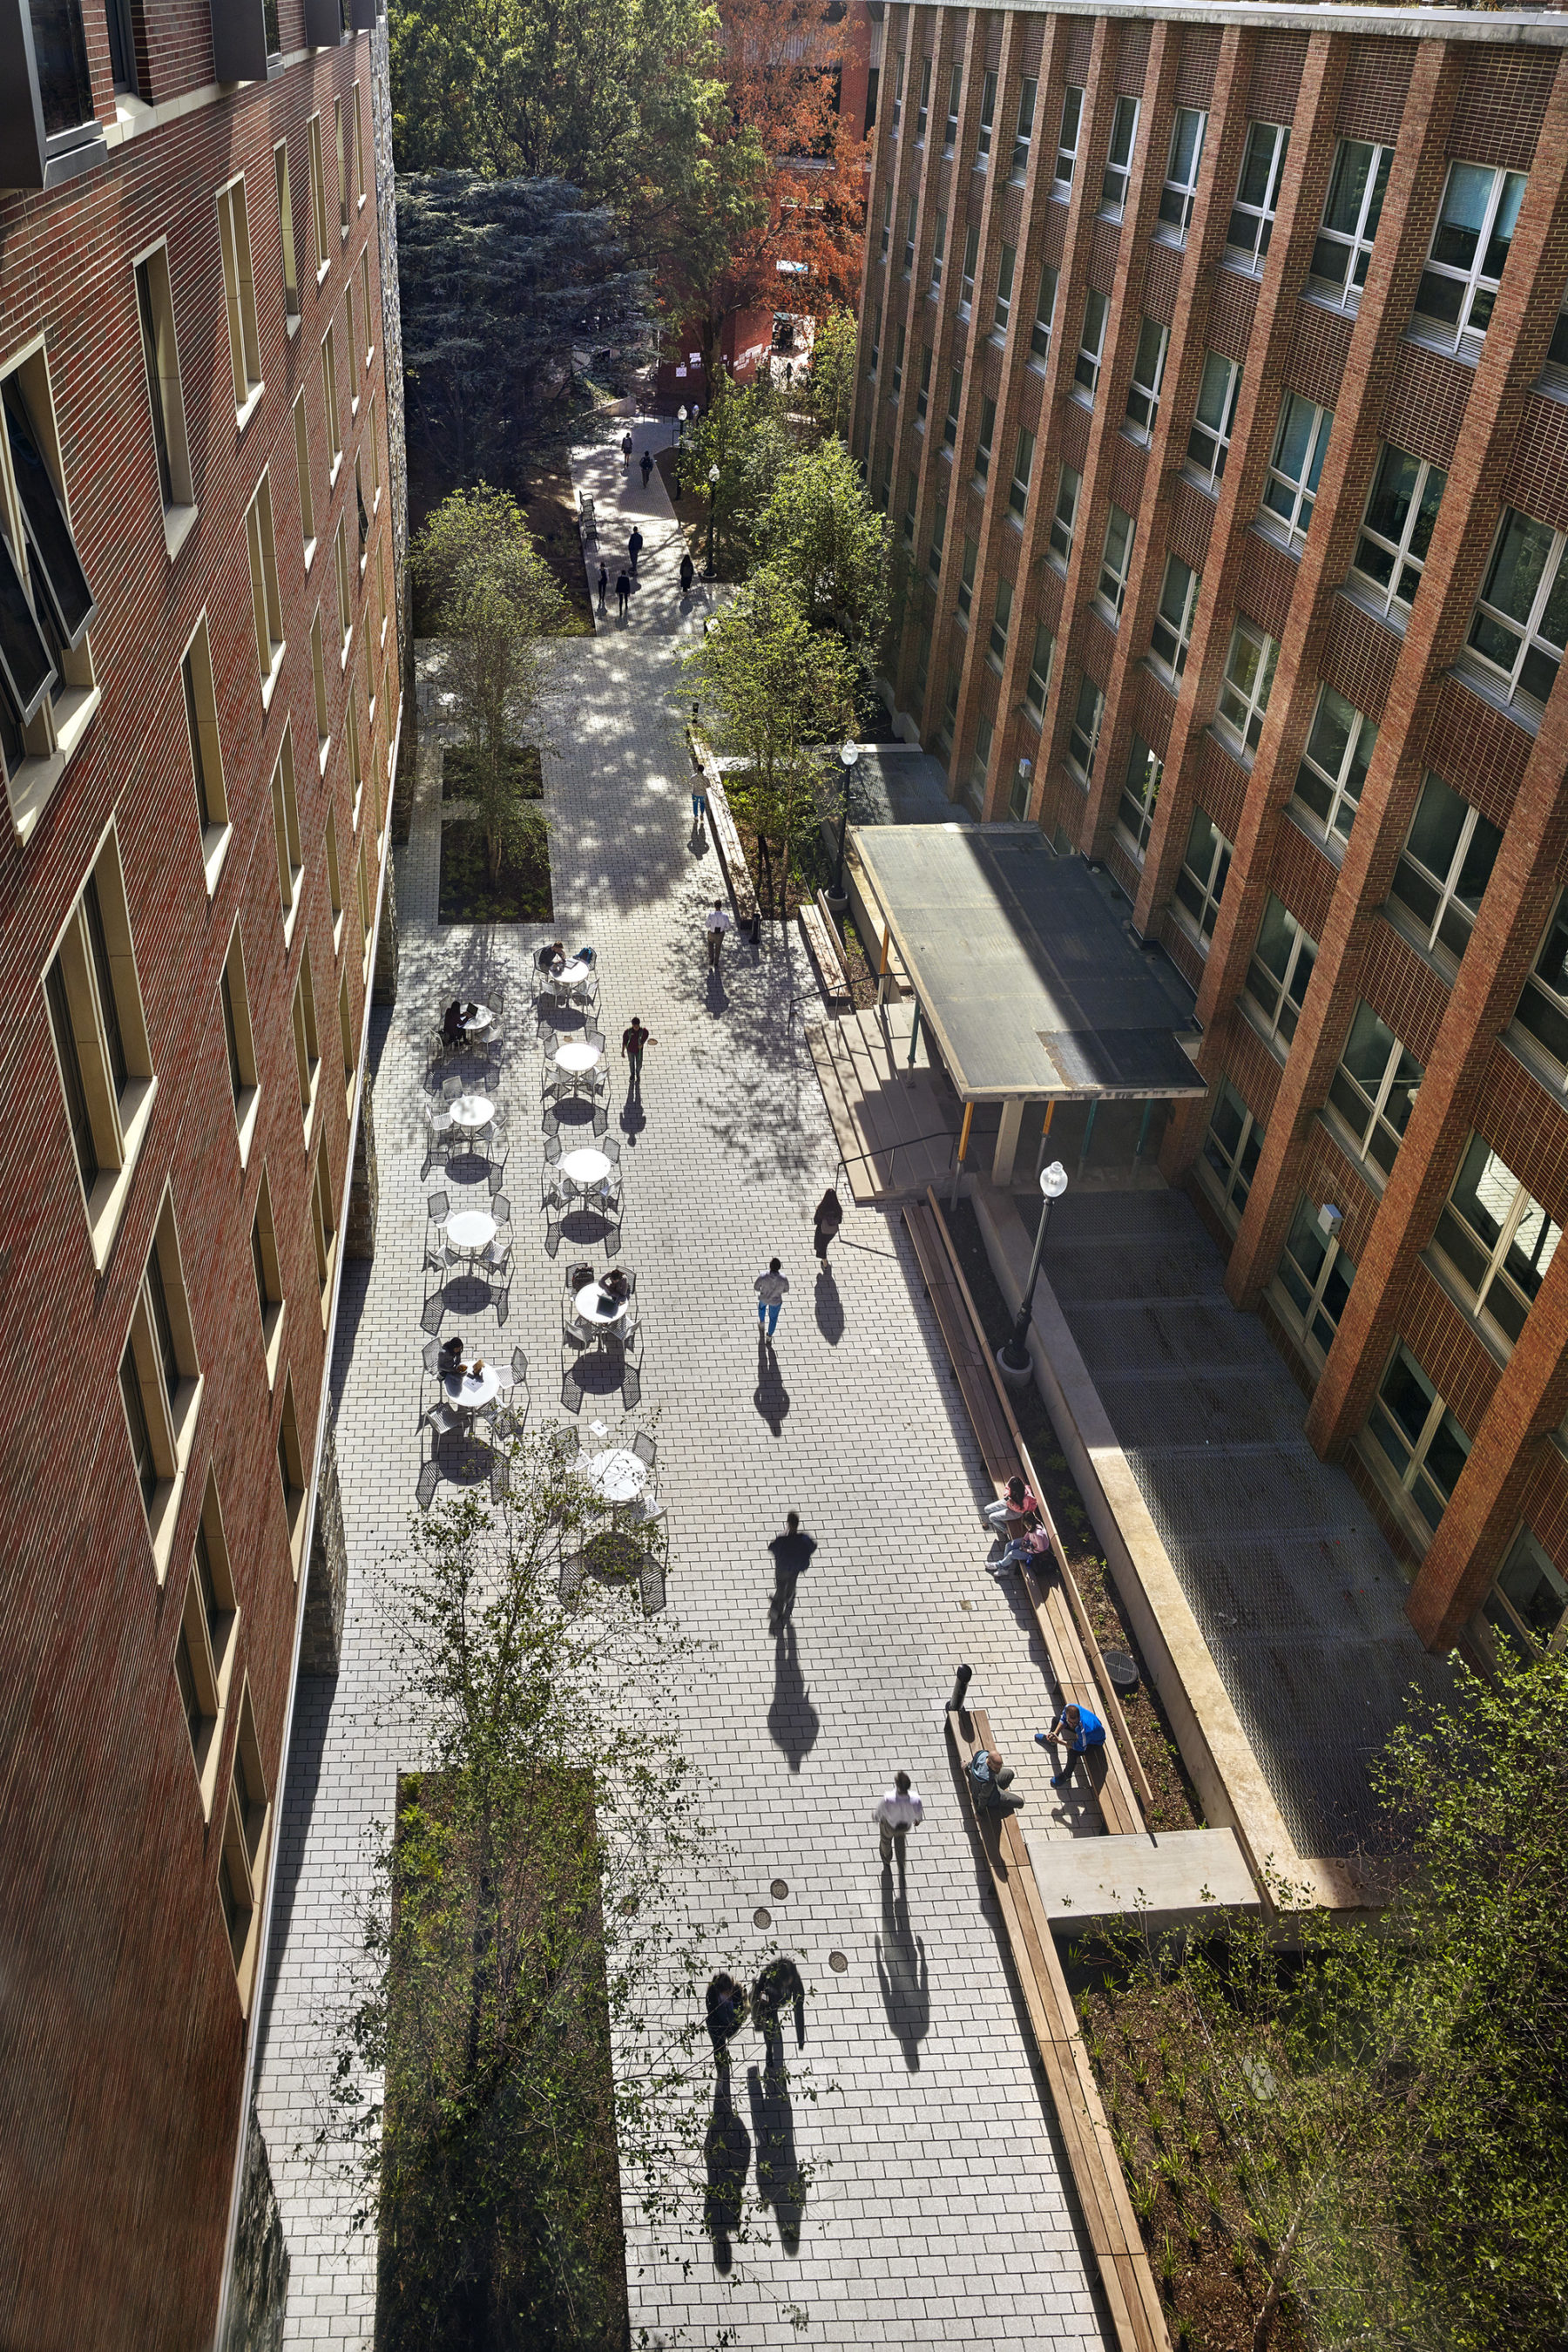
{"points": [[199, 707], [1215, 377]]}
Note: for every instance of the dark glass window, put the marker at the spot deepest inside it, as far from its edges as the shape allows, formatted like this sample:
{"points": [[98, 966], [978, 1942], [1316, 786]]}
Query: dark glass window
{"points": [[59, 49], [93, 909], [71, 1071], [140, 1436]]}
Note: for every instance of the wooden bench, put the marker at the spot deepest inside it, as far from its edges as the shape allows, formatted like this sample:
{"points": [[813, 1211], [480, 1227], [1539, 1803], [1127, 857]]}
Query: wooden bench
{"points": [[927, 1235], [1124, 2268], [822, 945], [727, 841]]}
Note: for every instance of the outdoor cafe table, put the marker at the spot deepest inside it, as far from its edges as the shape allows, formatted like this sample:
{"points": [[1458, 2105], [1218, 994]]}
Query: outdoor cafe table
{"points": [[570, 975], [479, 1021], [585, 1168], [470, 1229], [577, 1059], [597, 1306], [468, 1390], [618, 1474], [473, 1110]]}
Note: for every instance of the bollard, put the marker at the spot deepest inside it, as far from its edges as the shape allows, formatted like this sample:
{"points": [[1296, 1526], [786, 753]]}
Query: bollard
{"points": [[961, 1683]]}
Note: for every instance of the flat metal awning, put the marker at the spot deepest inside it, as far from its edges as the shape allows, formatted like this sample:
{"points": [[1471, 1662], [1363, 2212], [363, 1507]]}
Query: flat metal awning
{"points": [[1026, 981]]}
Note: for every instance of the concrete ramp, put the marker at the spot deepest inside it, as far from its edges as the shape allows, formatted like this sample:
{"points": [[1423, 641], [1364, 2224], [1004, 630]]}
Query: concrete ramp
{"points": [[1169, 1878]]}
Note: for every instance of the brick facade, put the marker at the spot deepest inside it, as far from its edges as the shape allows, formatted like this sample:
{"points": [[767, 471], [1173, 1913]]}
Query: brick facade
{"points": [[124, 2020], [1487, 91]]}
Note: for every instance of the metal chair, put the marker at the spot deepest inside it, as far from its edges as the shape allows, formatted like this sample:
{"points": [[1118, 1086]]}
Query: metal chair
{"points": [[564, 1442], [519, 1365], [501, 1208], [443, 1421], [646, 1448], [450, 1089], [431, 1352], [611, 1148], [552, 1150], [439, 1207], [438, 1125]]}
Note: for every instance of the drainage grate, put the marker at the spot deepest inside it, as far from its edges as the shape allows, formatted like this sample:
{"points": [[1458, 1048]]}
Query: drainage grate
{"points": [[760, 1918], [837, 1962], [779, 1889]]}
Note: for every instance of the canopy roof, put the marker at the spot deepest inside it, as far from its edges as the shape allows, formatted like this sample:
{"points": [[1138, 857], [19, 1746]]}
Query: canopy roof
{"points": [[1026, 980]]}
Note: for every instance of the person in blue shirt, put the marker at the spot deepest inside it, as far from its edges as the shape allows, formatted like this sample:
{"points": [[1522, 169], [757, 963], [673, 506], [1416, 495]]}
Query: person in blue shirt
{"points": [[1077, 1729]]}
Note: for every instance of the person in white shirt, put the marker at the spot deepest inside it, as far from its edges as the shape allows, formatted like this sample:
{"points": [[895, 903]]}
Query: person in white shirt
{"points": [[769, 1288], [900, 1810], [718, 921]]}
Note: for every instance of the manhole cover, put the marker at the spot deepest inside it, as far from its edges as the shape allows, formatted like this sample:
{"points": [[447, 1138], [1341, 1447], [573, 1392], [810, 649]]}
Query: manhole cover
{"points": [[779, 1889], [837, 1962], [761, 1919]]}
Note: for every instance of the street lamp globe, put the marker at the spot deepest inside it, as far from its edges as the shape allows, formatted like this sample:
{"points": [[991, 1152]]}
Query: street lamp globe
{"points": [[1054, 1181], [680, 411], [849, 753], [712, 473]]}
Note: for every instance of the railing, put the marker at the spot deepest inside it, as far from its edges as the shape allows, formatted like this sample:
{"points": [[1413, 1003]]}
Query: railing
{"points": [[889, 1152]]}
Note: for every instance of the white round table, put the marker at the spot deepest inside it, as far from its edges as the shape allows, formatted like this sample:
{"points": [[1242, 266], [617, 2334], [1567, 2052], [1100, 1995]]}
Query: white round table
{"points": [[577, 1059], [585, 1166], [596, 1306], [472, 1110], [618, 1474], [572, 975], [470, 1229], [467, 1391], [479, 1021]]}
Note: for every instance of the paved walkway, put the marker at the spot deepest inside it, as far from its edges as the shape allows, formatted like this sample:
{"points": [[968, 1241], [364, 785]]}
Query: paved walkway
{"points": [[936, 2211]]}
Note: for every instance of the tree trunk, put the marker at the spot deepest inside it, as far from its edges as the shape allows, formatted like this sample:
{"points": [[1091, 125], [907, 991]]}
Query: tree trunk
{"points": [[767, 867]]}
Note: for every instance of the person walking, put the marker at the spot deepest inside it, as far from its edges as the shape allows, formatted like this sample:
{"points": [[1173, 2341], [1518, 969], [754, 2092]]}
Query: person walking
{"points": [[626, 453], [623, 594], [1075, 1730], [633, 1040], [900, 1810], [826, 1223], [633, 548], [727, 2008], [647, 467], [698, 802], [604, 586], [718, 920], [769, 1288], [687, 574], [792, 1557]]}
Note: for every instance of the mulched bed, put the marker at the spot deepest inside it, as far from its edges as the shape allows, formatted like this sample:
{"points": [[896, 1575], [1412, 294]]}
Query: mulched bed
{"points": [[522, 895], [551, 507], [523, 759]]}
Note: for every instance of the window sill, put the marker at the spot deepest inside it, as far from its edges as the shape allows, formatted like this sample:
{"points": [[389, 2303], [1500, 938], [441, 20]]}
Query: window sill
{"points": [[1532, 1056], [33, 786], [1243, 265], [106, 1204], [245, 1112], [311, 546], [1206, 488], [997, 339], [1114, 214], [358, 802], [1231, 746], [1218, 1194], [1497, 1345], [215, 850], [270, 683], [308, 1109], [1014, 522], [383, 629], [1524, 711], [1368, 600], [1323, 298], [1081, 399], [1057, 563], [333, 470], [177, 523], [337, 934], [1160, 676], [1188, 929], [1032, 718], [1330, 844], [1268, 526], [291, 913], [323, 751], [164, 1513], [1107, 614], [321, 273], [1175, 238], [1438, 961], [1553, 384], [1467, 350], [1061, 192], [353, 404], [1370, 1454], [291, 323], [1255, 1020], [1369, 1171], [243, 414], [343, 650], [272, 1337]]}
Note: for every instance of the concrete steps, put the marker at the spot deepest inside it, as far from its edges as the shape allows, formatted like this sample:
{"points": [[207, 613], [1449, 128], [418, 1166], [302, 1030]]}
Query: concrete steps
{"points": [[895, 1126]]}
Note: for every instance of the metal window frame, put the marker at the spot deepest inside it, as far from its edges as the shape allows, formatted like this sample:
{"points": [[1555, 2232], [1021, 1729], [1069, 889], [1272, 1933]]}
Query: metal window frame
{"points": [[1475, 280], [1182, 191], [1265, 214], [1398, 549]]}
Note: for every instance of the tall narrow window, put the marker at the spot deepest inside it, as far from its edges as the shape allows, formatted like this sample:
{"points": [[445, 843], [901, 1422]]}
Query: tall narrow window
{"points": [[1172, 632], [1069, 484], [954, 396], [1375, 1088], [873, 342], [239, 296], [980, 763], [330, 399], [1540, 1016], [165, 401], [1256, 195], [319, 681], [94, 1002], [291, 1472], [1527, 1608], [1442, 872], [286, 834], [47, 689], [1115, 563], [1277, 975], [1301, 446], [350, 347], [922, 391], [1521, 625], [241, 1865], [983, 439], [318, 196], [966, 577], [1246, 687], [1045, 312], [1232, 1149], [206, 752], [955, 91], [1469, 246], [1208, 443], [949, 720], [1401, 515], [971, 256], [1181, 172], [267, 602], [1002, 311], [1027, 91], [1119, 158], [357, 110], [1343, 253], [1416, 1440], [1333, 766], [306, 1043], [346, 1039], [1091, 343], [938, 247], [342, 166], [122, 45], [897, 90], [1314, 1277], [324, 1232], [203, 1645], [886, 217], [345, 604], [1038, 684], [912, 495], [1002, 614], [987, 118], [910, 218], [266, 1265], [1068, 138], [1148, 375], [1083, 737], [1140, 793], [286, 232], [1495, 1241], [1200, 885], [922, 107], [367, 305], [160, 1380], [938, 533], [1023, 467], [334, 879], [239, 1044], [306, 497]]}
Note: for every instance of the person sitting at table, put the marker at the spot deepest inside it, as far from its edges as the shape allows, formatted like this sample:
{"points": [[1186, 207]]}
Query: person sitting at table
{"points": [[452, 1022], [616, 1285], [552, 959], [452, 1356]]}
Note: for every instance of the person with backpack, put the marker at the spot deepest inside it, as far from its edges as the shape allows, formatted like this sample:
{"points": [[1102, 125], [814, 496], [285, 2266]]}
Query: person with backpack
{"points": [[633, 548], [1077, 1729], [688, 574], [627, 453], [647, 467]]}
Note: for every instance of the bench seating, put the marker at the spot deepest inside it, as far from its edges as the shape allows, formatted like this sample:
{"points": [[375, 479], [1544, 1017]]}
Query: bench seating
{"points": [[727, 841], [822, 944]]}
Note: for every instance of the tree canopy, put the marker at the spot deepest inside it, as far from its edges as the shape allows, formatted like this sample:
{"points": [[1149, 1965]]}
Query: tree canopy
{"points": [[820, 528]]}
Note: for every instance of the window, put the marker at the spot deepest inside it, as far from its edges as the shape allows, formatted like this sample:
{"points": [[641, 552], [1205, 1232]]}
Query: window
{"points": [[938, 533], [1313, 1278], [966, 578], [1542, 1009], [203, 1645], [240, 1045], [1018, 792], [1119, 161], [307, 498], [987, 117], [982, 442], [898, 367], [955, 92], [1115, 563], [954, 395], [351, 345], [949, 707], [121, 44], [922, 391], [910, 218], [898, 88], [1083, 737], [286, 831], [923, 663], [1023, 467], [1028, 90], [1469, 246], [160, 1381], [1520, 624], [884, 477], [1417, 1437], [1038, 683], [1135, 809], [1277, 975], [286, 230], [345, 606], [1495, 1240], [1045, 312], [1333, 767], [356, 104], [265, 1264], [1208, 443], [241, 1869], [1401, 514], [366, 909], [876, 341], [1300, 447], [334, 880], [94, 1001], [330, 397], [1003, 306], [1148, 375], [239, 298], [323, 1231], [165, 401], [979, 764], [1069, 484], [267, 604], [1001, 614], [1091, 343], [318, 198], [367, 305], [1174, 619], [346, 1039], [1444, 868], [1256, 195], [1181, 172], [911, 493], [319, 682], [1068, 138], [48, 691], [1373, 1088], [1246, 688], [307, 1041], [938, 247], [381, 583], [971, 256], [343, 167], [351, 729], [1555, 371], [1529, 1603], [206, 752], [886, 217], [1231, 1152], [1200, 885], [1344, 250], [923, 109]]}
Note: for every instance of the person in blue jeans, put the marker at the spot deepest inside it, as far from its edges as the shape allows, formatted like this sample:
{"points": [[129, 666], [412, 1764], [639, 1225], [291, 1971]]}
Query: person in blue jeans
{"points": [[769, 1288], [1077, 1729]]}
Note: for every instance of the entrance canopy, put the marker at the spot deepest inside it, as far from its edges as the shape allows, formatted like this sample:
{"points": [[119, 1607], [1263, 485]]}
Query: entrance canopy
{"points": [[1027, 982]]}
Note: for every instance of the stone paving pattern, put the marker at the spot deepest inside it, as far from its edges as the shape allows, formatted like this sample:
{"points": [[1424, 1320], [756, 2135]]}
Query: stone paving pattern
{"points": [[939, 2212]]}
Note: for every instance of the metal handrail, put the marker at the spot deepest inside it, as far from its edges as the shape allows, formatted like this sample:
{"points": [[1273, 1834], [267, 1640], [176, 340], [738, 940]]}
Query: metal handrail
{"points": [[890, 1151]]}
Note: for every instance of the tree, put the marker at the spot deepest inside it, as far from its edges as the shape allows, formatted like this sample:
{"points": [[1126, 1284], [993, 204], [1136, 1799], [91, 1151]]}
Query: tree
{"points": [[490, 594], [500, 280], [820, 529], [746, 434], [830, 385]]}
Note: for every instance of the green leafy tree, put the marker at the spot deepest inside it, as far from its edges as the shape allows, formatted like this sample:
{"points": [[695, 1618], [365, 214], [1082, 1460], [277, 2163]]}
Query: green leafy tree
{"points": [[490, 594], [746, 434], [820, 529], [830, 385]]}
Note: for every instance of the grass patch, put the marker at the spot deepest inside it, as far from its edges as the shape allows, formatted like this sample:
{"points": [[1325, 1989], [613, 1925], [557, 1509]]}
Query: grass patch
{"points": [[522, 895], [523, 761]]}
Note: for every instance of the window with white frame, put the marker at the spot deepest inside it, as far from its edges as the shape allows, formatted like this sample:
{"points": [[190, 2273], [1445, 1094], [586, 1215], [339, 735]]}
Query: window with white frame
{"points": [[1396, 532], [1045, 312], [1343, 253], [1527, 1608], [1540, 1017], [1443, 871], [306, 495], [1038, 684], [1333, 766], [1069, 482], [291, 1472], [342, 161], [1140, 794], [1208, 443], [286, 233], [898, 88], [240, 1041], [1118, 157], [1313, 1278], [1495, 1241], [94, 1000], [987, 118], [241, 1869], [1246, 687], [887, 218], [307, 1041], [954, 93], [1231, 1152], [1470, 246], [266, 602], [1083, 737], [1002, 310], [166, 400], [938, 533], [922, 105], [329, 401], [345, 592], [206, 752], [1091, 343], [318, 196], [204, 1643], [1068, 138], [161, 1384], [1182, 172], [910, 217], [1521, 625], [1002, 612], [1028, 90], [285, 834], [239, 296], [1200, 884], [1277, 974], [983, 439], [1375, 1088], [938, 248], [1416, 1444], [1148, 375], [1256, 195], [922, 390], [351, 348], [1023, 467], [47, 689], [1291, 491], [971, 257], [1173, 618], [1115, 563], [334, 879], [367, 305], [966, 577], [319, 684], [897, 385]]}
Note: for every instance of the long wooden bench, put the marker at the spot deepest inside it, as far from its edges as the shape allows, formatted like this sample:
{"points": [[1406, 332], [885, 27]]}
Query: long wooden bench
{"points": [[1124, 2268], [822, 945], [995, 1440], [727, 841]]}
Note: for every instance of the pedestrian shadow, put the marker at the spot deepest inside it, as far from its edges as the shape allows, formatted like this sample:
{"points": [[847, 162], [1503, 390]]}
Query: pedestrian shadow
{"points": [[902, 1971], [793, 1721], [770, 1396], [781, 2176], [633, 1118], [718, 1002], [728, 2150], [698, 842], [829, 1308]]}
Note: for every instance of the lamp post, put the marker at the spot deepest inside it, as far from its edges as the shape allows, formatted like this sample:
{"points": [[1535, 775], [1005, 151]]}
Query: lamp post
{"points": [[712, 496], [849, 753], [1013, 1356]]}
